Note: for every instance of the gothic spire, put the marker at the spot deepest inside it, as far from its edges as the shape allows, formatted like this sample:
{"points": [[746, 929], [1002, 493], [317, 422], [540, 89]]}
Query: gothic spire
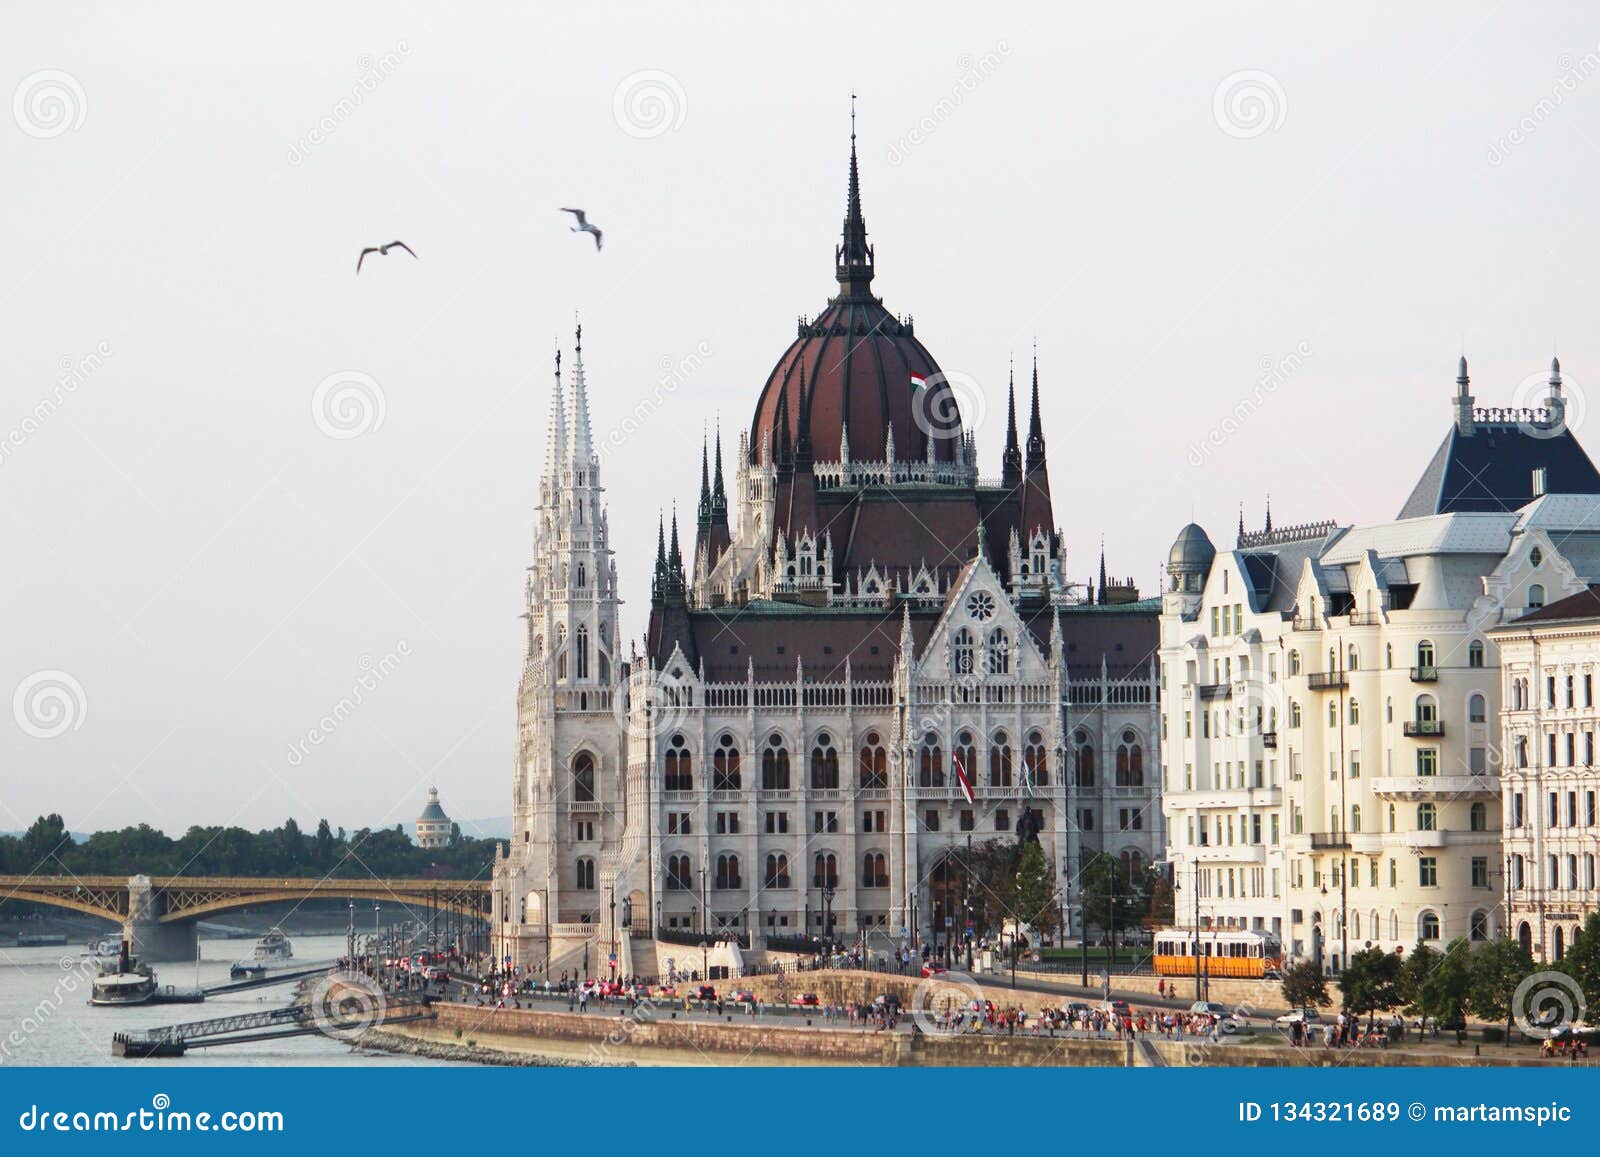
{"points": [[1035, 424], [1269, 514], [704, 510], [1102, 569], [582, 448], [659, 581], [1011, 471], [1239, 538], [556, 440], [852, 258]]}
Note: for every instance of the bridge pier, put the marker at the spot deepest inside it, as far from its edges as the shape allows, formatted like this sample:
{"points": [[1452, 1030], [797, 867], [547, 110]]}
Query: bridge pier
{"points": [[148, 938]]}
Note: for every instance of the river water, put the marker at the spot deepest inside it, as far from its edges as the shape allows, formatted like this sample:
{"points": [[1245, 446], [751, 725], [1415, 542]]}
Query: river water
{"points": [[46, 1018]]}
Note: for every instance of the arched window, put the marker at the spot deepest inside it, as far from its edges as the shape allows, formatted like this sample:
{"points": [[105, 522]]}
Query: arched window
{"points": [[1355, 817], [727, 871], [874, 763], [1394, 924], [680, 875], [999, 652], [1353, 658], [1478, 818], [1083, 758], [1427, 709], [1535, 596], [874, 870], [1427, 817], [1130, 761], [1475, 653], [581, 645], [1000, 761], [725, 765], [1428, 926], [1477, 709], [1333, 658], [561, 651], [1294, 662], [1425, 655], [961, 652], [777, 871], [1391, 818], [824, 871], [583, 778], [1294, 713], [966, 757], [1355, 710], [775, 764], [1522, 751], [680, 767], [930, 762], [824, 763], [585, 874], [1034, 765], [1333, 713], [1388, 654], [1478, 929]]}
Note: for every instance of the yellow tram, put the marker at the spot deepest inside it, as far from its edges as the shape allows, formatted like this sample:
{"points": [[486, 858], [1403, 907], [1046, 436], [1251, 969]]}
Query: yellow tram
{"points": [[1235, 952]]}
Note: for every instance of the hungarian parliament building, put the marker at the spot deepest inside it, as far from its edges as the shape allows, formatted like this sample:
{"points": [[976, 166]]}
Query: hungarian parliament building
{"points": [[868, 660]]}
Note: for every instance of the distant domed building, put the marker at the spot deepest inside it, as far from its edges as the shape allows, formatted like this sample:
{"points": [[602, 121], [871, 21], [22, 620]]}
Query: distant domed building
{"points": [[433, 826]]}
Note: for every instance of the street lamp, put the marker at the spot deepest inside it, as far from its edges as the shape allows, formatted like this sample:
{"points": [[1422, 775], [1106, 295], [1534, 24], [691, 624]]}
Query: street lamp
{"points": [[350, 938], [705, 961], [613, 960]]}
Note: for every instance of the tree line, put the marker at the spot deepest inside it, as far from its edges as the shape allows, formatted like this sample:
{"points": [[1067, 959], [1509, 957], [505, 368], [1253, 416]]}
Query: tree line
{"points": [[1489, 980], [48, 848]]}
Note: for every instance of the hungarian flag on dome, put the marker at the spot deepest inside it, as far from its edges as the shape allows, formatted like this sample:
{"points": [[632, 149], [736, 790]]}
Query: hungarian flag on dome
{"points": [[963, 781]]}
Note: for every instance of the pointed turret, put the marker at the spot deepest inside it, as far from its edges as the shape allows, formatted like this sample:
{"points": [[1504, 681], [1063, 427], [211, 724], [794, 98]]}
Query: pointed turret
{"points": [[719, 492], [1268, 527], [556, 441], [1038, 514], [581, 445], [1035, 423], [658, 582], [1102, 598], [1239, 538], [1463, 399], [1011, 465], [1557, 402], [703, 510], [852, 258]]}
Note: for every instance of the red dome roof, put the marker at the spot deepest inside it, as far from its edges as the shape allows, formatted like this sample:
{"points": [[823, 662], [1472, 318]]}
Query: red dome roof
{"points": [[852, 368]]}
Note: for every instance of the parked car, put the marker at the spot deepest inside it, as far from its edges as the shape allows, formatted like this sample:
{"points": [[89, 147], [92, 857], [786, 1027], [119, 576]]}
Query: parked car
{"points": [[1298, 1016], [743, 998], [888, 1001], [807, 1000], [1118, 1008], [706, 992]]}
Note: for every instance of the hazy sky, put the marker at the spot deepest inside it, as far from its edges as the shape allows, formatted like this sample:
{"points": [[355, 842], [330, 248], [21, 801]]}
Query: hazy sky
{"points": [[1169, 199]]}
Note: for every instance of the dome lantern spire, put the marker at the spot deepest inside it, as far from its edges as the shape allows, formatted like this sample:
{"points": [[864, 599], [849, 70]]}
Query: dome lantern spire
{"points": [[852, 258]]}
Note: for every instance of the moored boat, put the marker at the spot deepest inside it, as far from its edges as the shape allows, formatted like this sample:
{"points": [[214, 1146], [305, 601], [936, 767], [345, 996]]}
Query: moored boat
{"points": [[274, 946], [124, 982]]}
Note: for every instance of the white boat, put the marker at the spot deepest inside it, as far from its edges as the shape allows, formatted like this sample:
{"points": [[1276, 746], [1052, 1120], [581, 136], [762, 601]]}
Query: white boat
{"points": [[274, 946], [105, 948], [125, 982]]}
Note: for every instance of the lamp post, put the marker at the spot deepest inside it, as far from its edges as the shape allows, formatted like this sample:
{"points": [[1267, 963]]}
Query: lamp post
{"points": [[350, 938], [373, 949], [613, 959], [705, 961], [827, 913]]}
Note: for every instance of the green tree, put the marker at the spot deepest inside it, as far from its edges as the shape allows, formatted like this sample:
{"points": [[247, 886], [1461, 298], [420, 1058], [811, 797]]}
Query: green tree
{"points": [[1497, 968], [1582, 963], [1304, 986], [1033, 890], [1112, 897], [1370, 981], [1442, 990], [44, 844]]}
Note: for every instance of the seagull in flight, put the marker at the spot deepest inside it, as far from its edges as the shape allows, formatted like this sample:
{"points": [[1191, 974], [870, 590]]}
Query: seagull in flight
{"points": [[381, 251], [583, 226]]}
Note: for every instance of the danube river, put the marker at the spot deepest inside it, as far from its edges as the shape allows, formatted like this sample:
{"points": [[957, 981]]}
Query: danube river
{"points": [[46, 1019]]}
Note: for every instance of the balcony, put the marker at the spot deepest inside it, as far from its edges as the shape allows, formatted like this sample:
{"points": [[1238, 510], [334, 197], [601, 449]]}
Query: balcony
{"points": [[1429, 674], [1306, 623], [1423, 728], [1230, 854], [1330, 841], [1366, 618], [1430, 839], [1215, 690], [1327, 680], [1423, 787], [1269, 740]]}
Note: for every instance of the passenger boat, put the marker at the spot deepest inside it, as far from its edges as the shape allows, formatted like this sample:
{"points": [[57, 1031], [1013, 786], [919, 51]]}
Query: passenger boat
{"points": [[124, 982], [247, 970], [274, 946], [104, 948]]}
